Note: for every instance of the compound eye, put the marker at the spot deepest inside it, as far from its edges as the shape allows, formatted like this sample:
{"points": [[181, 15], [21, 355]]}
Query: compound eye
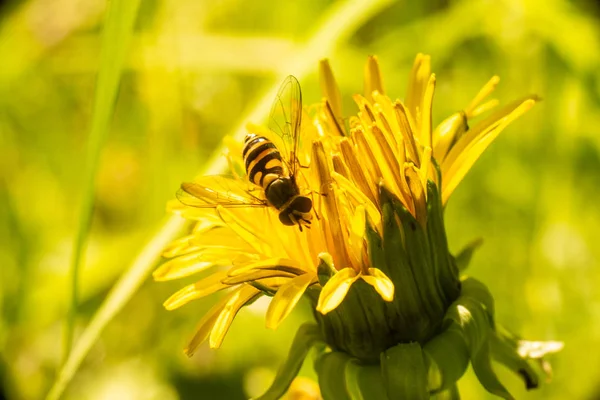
{"points": [[284, 217], [302, 204]]}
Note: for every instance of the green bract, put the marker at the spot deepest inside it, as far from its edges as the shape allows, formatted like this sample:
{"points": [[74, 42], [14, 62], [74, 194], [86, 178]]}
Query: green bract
{"points": [[419, 344]]}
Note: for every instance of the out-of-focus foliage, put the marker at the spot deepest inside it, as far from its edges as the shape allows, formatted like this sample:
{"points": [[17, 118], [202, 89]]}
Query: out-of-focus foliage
{"points": [[194, 69]]}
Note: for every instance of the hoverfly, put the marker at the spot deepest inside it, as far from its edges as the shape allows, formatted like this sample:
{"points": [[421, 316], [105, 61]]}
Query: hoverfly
{"points": [[271, 170]]}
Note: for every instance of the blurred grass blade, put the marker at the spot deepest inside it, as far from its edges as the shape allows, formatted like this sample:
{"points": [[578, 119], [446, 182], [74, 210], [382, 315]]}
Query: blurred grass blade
{"points": [[118, 24], [118, 296], [341, 21]]}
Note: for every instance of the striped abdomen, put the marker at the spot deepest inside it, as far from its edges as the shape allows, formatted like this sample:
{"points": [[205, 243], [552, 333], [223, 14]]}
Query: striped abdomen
{"points": [[262, 160]]}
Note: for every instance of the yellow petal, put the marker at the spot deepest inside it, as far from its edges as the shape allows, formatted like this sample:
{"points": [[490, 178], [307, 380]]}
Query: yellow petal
{"points": [[225, 318], [357, 232], [186, 265], [335, 290], [446, 133], [390, 169], [222, 237], [256, 275], [407, 128], [368, 159], [179, 247], [286, 298], [425, 164], [357, 172], [329, 88], [454, 173], [282, 264], [426, 112], [417, 192], [381, 283], [204, 287], [485, 107], [335, 237], [332, 121], [358, 196], [418, 79], [485, 91], [482, 129], [339, 166], [206, 324], [373, 81]]}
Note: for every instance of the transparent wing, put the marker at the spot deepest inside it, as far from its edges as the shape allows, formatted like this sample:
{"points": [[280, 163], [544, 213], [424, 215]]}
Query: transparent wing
{"points": [[285, 120], [214, 190]]}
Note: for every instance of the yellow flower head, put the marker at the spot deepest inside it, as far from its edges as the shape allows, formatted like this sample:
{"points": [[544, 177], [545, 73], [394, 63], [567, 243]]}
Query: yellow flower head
{"points": [[388, 145], [364, 196]]}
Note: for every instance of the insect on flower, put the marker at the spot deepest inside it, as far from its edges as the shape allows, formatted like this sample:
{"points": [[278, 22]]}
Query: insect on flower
{"points": [[271, 178]]}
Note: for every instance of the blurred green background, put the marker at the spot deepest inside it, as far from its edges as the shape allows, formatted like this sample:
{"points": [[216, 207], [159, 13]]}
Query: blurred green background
{"points": [[193, 71]]}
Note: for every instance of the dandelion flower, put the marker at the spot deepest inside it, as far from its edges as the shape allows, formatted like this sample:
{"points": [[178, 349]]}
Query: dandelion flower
{"points": [[394, 318]]}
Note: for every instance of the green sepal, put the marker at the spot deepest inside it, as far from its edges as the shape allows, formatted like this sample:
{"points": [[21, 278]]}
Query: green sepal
{"points": [[306, 337], [447, 358], [404, 372], [331, 368], [448, 394], [364, 382], [472, 318], [505, 350], [445, 270], [419, 253], [411, 319], [463, 258], [476, 290]]}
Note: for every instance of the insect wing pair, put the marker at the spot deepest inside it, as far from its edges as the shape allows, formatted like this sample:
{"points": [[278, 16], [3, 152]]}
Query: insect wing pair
{"points": [[280, 188]]}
